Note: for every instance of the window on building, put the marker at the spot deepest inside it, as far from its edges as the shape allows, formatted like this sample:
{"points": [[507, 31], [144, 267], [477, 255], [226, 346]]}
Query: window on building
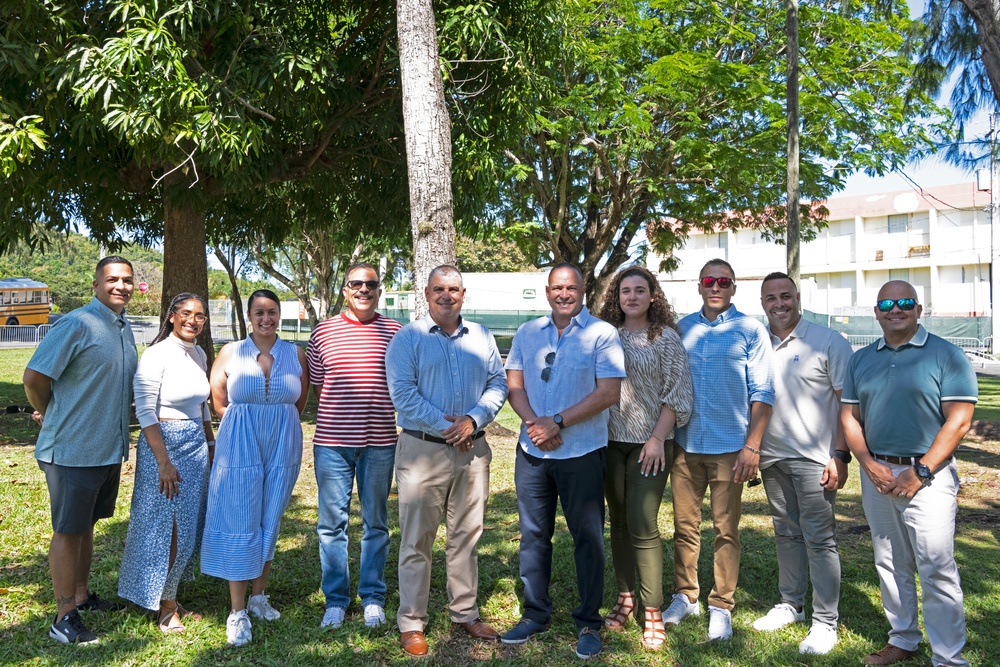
{"points": [[898, 223], [899, 274]]}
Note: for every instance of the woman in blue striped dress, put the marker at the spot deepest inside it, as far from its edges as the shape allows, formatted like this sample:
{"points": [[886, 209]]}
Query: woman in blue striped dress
{"points": [[259, 388]]}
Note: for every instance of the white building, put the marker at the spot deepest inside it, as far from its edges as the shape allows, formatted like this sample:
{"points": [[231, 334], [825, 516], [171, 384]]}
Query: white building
{"points": [[938, 240]]}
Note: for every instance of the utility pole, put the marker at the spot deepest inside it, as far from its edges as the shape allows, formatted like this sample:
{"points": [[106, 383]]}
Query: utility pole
{"points": [[792, 108], [994, 239]]}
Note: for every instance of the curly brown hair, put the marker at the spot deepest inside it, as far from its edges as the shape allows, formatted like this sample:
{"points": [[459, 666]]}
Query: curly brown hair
{"points": [[661, 313]]}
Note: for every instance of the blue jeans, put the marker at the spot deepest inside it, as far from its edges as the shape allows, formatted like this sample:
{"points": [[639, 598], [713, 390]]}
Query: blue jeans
{"points": [[336, 468], [578, 485]]}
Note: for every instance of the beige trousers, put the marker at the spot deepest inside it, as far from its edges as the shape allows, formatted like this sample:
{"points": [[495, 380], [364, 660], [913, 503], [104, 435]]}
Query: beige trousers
{"points": [[434, 481], [691, 475]]}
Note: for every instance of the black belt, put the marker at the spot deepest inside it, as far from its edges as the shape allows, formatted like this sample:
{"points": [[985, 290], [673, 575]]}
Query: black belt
{"points": [[420, 435], [902, 460]]}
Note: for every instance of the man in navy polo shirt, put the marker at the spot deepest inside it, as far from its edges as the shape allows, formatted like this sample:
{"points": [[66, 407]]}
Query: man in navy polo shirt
{"points": [[907, 402]]}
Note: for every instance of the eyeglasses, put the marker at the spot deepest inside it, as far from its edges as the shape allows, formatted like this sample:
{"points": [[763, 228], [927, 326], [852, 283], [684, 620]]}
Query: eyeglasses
{"points": [[709, 281], [356, 284], [547, 371], [200, 318], [885, 305]]}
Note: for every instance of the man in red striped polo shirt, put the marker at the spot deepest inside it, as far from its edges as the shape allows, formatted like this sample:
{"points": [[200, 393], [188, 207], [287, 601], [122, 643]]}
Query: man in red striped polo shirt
{"points": [[355, 436]]}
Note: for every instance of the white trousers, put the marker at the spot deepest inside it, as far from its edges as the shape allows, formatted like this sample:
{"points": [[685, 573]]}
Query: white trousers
{"points": [[919, 535]]}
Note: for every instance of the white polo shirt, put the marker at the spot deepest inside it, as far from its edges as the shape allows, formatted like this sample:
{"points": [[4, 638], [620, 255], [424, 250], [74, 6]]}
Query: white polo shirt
{"points": [[809, 366]]}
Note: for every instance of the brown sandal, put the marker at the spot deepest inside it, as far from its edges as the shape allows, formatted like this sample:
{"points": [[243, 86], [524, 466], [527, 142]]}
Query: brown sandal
{"points": [[621, 612], [653, 633], [169, 620]]}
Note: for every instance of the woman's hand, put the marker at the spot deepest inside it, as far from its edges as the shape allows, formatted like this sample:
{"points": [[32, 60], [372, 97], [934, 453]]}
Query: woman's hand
{"points": [[652, 458], [170, 479]]}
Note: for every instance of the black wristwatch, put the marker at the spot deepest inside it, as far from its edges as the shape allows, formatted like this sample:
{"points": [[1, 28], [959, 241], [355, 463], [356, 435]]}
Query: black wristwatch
{"points": [[559, 422], [923, 472], [844, 456]]}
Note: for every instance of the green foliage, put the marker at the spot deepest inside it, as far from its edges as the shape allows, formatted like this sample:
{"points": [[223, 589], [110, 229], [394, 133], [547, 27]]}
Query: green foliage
{"points": [[950, 50], [65, 262], [649, 111], [494, 252]]}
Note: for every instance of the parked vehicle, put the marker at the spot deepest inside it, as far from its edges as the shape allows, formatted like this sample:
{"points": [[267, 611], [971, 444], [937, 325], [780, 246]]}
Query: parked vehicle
{"points": [[24, 301]]}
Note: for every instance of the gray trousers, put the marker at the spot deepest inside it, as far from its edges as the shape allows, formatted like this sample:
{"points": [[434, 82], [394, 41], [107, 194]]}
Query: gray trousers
{"points": [[805, 532]]}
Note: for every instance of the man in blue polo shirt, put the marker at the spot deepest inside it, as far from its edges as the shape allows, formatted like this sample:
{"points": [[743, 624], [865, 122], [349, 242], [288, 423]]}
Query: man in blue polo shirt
{"points": [[908, 400], [80, 383], [719, 449], [564, 371]]}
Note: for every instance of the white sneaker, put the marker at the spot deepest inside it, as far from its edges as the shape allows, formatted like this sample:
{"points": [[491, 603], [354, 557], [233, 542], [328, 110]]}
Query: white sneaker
{"points": [[238, 630], [780, 615], [820, 640], [374, 615], [720, 624], [260, 607], [333, 618], [680, 609]]}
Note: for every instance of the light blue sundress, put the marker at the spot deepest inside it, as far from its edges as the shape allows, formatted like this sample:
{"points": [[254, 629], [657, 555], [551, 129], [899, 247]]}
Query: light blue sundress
{"points": [[258, 454]]}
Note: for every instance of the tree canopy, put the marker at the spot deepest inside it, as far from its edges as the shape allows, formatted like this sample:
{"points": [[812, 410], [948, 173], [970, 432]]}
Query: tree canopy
{"points": [[665, 110]]}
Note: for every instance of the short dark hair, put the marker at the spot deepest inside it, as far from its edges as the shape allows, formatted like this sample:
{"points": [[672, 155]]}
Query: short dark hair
{"points": [[262, 294], [360, 265], [113, 259], [718, 261], [779, 275]]}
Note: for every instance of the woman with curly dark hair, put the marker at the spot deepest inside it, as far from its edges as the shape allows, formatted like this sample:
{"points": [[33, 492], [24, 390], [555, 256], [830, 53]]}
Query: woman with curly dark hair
{"points": [[656, 396]]}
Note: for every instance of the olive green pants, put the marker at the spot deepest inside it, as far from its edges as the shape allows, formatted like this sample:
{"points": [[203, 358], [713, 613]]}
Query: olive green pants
{"points": [[633, 506]]}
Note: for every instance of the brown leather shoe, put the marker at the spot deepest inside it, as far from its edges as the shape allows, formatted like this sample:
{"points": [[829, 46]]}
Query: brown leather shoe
{"points": [[889, 655], [413, 643], [478, 629]]}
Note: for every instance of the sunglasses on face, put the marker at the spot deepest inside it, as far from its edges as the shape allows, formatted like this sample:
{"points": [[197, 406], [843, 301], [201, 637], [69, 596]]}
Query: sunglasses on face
{"points": [[547, 371], [356, 284], [885, 305], [709, 281]]}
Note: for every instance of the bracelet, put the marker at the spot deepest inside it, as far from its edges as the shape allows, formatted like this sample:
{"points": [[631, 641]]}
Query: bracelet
{"points": [[656, 437], [755, 451]]}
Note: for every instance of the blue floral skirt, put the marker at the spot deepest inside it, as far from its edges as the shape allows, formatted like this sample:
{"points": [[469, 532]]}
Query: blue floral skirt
{"points": [[145, 577]]}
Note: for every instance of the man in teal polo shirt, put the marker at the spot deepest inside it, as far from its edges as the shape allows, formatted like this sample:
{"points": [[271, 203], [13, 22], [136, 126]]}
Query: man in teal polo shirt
{"points": [[907, 402], [80, 383]]}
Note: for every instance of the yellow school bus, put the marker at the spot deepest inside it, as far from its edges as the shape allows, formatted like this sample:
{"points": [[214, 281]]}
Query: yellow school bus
{"points": [[23, 301]]}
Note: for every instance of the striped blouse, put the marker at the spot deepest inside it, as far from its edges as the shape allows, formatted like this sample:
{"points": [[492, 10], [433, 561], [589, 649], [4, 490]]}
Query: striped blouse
{"points": [[656, 374]]}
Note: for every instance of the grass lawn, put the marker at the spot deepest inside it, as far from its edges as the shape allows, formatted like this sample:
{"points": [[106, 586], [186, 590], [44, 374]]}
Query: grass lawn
{"points": [[130, 638]]}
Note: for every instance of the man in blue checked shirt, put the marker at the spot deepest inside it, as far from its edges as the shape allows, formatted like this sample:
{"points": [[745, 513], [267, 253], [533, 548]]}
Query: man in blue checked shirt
{"points": [[719, 449], [564, 370], [447, 383]]}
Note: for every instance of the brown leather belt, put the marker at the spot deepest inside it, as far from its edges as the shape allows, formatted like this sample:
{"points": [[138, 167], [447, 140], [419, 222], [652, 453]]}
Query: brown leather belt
{"points": [[420, 435], [902, 460]]}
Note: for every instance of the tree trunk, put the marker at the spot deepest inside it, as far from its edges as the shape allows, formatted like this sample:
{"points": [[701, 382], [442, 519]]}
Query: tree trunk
{"points": [[234, 294], [428, 143], [986, 14], [792, 108], [185, 267]]}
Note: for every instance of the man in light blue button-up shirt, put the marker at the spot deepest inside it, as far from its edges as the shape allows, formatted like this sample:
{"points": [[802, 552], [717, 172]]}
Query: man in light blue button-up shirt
{"points": [[447, 383], [719, 449], [564, 371], [80, 383]]}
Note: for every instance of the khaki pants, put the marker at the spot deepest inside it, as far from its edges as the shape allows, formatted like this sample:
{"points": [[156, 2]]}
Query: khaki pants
{"points": [[692, 474], [434, 480]]}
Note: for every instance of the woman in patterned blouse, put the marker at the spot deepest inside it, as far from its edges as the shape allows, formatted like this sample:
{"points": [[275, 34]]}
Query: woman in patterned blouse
{"points": [[656, 396]]}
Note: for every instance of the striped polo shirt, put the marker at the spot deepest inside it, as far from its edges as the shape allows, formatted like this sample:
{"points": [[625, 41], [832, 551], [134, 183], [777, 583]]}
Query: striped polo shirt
{"points": [[347, 361]]}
